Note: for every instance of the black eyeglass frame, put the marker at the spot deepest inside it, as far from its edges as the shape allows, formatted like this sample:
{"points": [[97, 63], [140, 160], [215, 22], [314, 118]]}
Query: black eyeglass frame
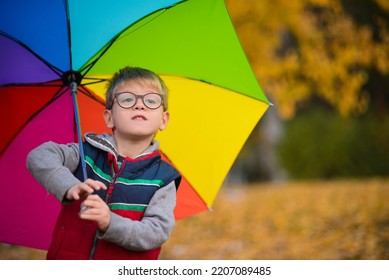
{"points": [[137, 96]]}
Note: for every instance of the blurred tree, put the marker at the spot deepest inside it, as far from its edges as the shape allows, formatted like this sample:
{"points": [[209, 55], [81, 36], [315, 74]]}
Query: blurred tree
{"points": [[336, 51], [333, 54]]}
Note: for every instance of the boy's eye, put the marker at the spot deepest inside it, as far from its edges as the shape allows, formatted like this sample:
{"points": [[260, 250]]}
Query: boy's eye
{"points": [[151, 101], [127, 100]]}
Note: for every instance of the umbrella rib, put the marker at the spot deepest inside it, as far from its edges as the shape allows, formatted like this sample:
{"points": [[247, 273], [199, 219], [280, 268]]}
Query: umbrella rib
{"points": [[43, 84], [87, 67], [220, 86], [90, 95], [96, 81], [69, 34], [56, 70]]}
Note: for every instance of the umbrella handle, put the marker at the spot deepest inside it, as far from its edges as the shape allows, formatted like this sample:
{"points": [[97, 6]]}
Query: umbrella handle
{"points": [[73, 86]]}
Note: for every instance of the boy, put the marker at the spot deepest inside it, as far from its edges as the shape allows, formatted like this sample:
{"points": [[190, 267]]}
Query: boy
{"points": [[124, 210]]}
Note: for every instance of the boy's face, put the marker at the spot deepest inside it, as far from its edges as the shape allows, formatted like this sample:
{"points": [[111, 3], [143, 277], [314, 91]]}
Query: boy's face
{"points": [[138, 122]]}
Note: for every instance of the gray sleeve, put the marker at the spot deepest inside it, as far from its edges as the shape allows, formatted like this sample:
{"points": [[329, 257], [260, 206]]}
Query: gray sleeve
{"points": [[153, 230], [52, 165]]}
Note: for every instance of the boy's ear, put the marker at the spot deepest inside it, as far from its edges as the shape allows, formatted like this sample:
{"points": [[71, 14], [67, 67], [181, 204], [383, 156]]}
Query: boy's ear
{"points": [[165, 120], [108, 118]]}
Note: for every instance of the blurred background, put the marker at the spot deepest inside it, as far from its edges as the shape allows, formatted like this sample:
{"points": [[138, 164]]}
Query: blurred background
{"points": [[312, 180], [325, 66]]}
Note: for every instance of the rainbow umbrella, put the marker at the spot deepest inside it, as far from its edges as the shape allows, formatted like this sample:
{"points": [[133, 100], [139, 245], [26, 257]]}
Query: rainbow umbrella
{"points": [[56, 56]]}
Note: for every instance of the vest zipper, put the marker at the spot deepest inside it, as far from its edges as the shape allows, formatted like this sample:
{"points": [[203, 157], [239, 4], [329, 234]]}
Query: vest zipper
{"points": [[107, 199]]}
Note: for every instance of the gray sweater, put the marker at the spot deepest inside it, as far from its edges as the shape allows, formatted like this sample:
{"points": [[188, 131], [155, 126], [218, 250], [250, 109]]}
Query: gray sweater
{"points": [[53, 165]]}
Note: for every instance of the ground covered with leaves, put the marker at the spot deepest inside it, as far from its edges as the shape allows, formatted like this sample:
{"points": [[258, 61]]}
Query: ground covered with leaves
{"points": [[300, 220]]}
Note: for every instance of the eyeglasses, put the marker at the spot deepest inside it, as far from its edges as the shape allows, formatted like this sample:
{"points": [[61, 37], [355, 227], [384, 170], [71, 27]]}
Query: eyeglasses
{"points": [[128, 100]]}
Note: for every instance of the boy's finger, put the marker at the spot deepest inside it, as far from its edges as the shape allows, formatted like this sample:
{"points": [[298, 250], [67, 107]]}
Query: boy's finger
{"points": [[90, 198], [75, 196], [96, 185], [87, 188], [92, 202], [94, 198], [100, 185]]}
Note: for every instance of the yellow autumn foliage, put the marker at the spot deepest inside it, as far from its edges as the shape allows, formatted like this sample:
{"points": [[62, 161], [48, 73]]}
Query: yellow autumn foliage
{"points": [[311, 47], [301, 220]]}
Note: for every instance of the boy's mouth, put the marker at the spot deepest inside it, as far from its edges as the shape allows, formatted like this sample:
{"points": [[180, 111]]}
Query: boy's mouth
{"points": [[139, 117]]}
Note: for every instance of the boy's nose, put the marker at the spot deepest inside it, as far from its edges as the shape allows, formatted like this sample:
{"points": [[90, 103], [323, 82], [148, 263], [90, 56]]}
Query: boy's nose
{"points": [[139, 105]]}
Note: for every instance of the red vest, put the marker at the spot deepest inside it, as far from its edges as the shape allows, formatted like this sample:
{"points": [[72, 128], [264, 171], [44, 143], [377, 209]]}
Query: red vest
{"points": [[80, 242]]}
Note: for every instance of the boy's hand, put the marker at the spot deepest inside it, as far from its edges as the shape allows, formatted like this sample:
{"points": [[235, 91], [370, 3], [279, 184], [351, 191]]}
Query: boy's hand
{"points": [[81, 190], [96, 210]]}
